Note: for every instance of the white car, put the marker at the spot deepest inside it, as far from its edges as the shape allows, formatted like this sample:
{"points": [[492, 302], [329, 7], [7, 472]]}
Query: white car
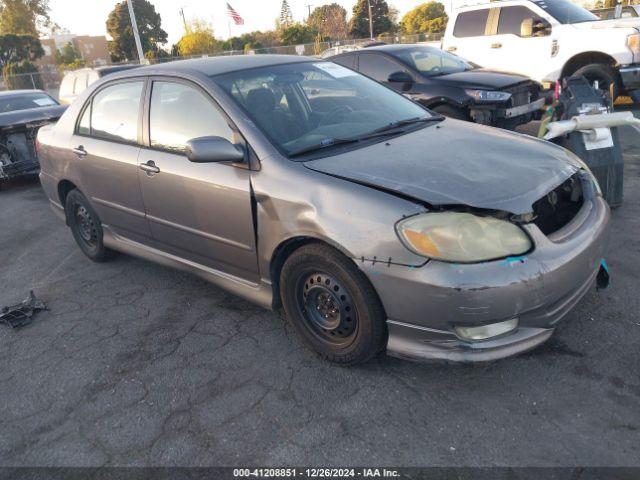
{"points": [[548, 40]]}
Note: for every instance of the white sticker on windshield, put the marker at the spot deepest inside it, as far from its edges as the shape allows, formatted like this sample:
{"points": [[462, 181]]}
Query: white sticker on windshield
{"points": [[335, 70], [44, 102]]}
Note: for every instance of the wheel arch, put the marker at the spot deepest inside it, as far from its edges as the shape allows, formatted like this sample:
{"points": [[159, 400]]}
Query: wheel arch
{"points": [[586, 58], [284, 250], [64, 187]]}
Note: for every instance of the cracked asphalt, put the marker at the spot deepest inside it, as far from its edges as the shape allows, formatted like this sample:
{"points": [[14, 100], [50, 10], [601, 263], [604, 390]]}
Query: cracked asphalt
{"points": [[139, 365]]}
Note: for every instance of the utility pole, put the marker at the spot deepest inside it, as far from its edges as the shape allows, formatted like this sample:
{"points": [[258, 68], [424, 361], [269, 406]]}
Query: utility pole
{"points": [[136, 33], [309, 7], [184, 20], [370, 20]]}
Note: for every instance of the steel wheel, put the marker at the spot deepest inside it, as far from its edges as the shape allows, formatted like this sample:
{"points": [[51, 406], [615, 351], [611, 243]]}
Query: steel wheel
{"points": [[327, 308], [86, 226]]}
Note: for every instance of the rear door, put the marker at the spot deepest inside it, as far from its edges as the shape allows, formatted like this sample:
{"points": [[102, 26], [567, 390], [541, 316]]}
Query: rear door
{"points": [[198, 211], [106, 145], [469, 39]]}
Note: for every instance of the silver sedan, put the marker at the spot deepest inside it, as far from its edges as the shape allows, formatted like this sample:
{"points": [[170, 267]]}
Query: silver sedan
{"points": [[303, 185]]}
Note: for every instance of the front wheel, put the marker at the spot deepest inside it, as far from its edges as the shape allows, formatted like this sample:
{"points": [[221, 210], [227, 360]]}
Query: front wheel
{"points": [[85, 227], [332, 305], [604, 75]]}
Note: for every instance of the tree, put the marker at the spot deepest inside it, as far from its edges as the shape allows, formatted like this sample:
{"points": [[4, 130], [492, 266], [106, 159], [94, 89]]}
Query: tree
{"points": [[360, 20], [296, 34], [23, 17], [330, 21], [286, 17], [198, 40], [69, 58], [18, 48], [425, 18], [152, 35]]}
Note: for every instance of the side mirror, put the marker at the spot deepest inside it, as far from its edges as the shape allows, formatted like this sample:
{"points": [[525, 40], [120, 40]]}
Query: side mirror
{"points": [[534, 28], [213, 149], [401, 77]]}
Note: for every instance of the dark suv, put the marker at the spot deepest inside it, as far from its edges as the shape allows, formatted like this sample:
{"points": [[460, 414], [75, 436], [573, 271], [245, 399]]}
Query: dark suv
{"points": [[450, 85]]}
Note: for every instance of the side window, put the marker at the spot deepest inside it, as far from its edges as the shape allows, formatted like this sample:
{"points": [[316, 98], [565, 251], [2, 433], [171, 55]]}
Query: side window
{"points": [[115, 110], [511, 18], [376, 66], [345, 60], [84, 127], [471, 24], [180, 113]]}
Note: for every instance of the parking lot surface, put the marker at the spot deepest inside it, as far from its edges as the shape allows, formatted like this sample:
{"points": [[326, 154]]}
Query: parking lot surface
{"points": [[136, 364]]}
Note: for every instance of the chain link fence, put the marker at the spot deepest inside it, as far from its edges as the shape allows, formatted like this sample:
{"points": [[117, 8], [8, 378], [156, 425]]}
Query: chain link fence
{"points": [[49, 79]]}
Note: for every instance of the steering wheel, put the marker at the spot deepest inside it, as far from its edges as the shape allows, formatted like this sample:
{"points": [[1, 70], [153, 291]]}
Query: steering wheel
{"points": [[335, 114]]}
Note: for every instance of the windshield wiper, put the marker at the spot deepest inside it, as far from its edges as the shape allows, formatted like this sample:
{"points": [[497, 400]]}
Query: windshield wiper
{"points": [[402, 123], [390, 129], [326, 143]]}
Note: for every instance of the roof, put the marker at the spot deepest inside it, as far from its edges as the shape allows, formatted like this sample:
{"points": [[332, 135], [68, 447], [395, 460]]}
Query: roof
{"points": [[223, 64], [388, 48]]}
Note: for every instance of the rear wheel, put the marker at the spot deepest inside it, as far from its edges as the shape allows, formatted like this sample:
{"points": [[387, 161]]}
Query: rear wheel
{"points": [[86, 227], [603, 74], [451, 112], [332, 305]]}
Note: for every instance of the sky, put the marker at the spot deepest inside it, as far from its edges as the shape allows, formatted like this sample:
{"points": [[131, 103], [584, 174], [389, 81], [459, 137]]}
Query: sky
{"points": [[88, 17]]}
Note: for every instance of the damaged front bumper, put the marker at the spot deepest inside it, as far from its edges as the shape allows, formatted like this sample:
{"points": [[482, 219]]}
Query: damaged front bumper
{"points": [[425, 304]]}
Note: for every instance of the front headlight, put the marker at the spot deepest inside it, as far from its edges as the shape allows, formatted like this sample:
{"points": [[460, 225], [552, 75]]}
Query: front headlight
{"points": [[488, 96], [462, 237], [633, 42]]}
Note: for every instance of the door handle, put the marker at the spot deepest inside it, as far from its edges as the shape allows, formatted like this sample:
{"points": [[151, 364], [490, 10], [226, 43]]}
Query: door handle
{"points": [[496, 45], [80, 151], [149, 168], [452, 49]]}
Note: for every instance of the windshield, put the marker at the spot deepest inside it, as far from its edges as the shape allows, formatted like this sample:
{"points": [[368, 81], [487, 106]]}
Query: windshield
{"points": [[300, 105], [25, 101], [566, 12], [432, 61]]}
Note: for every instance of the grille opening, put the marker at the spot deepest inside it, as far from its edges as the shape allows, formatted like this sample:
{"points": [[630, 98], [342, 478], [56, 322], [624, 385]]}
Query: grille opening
{"points": [[558, 207]]}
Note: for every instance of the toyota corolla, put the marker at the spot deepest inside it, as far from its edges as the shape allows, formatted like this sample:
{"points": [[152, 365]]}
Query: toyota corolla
{"points": [[303, 185]]}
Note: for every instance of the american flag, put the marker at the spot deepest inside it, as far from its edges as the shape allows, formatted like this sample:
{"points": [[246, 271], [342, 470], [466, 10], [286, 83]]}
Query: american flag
{"points": [[233, 14]]}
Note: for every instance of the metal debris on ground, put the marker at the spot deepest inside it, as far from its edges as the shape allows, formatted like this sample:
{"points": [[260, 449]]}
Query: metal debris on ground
{"points": [[20, 315]]}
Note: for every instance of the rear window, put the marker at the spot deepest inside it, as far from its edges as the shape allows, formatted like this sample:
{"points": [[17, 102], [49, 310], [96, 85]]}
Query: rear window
{"points": [[25, 101], [471, 24]]}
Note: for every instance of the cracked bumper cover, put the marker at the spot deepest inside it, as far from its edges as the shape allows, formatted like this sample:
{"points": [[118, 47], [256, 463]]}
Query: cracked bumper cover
{"points": [[423, 304]]}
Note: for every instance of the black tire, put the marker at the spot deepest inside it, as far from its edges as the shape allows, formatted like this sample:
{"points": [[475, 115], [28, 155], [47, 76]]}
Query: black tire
{"points": [[604, 74], [348, 324], [451, 112], [86, 227]]}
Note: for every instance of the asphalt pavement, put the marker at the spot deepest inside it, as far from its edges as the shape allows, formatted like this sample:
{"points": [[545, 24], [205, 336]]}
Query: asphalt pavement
{"points": [[137, 364]]}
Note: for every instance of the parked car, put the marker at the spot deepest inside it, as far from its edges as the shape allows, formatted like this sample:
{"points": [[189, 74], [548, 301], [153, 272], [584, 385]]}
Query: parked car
{"points": [[626, 11], [22, 113], [75, 82], [450, 85], [331, 51], [548, 40], [299, 183]]}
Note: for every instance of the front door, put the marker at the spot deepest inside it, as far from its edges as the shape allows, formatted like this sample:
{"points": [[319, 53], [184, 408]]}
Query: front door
{"points": [[106, 147], [198, 211]]}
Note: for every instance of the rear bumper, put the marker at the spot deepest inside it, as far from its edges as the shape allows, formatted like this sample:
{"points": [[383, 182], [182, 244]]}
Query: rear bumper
{"points": [[424, 304], [630, 75]]}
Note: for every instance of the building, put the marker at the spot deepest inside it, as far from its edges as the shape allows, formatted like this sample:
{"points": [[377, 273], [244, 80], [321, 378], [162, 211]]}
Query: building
{"points": [[94, 50]]}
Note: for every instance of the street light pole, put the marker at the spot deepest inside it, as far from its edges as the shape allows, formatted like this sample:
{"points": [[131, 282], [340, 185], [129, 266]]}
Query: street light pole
{"points": [[136, 34], [370, 20]]}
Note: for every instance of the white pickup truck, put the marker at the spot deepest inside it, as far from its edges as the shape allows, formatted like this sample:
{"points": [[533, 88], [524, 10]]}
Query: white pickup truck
{"points": [[548, 40]]}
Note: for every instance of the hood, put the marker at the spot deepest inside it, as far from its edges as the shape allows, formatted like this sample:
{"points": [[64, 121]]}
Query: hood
{"points": [[459, 163], [21, 117], [481, 78], [631, 22]]}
